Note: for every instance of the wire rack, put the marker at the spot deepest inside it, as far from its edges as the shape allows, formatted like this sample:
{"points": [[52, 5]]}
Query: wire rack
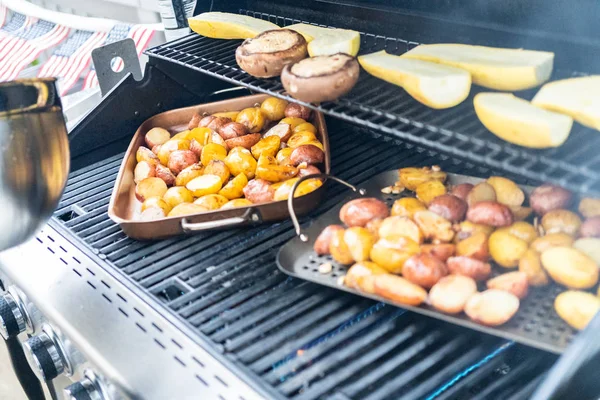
{"points": [[380, 106]]}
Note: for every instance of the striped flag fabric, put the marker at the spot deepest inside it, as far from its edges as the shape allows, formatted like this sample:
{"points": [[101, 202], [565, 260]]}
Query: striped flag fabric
{"points": [[15, 23], [3, 15]]}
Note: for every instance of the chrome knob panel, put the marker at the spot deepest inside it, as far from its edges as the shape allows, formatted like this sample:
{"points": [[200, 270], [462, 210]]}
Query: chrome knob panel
{"points": [[44, 356], [85, 389], [12, 320]]}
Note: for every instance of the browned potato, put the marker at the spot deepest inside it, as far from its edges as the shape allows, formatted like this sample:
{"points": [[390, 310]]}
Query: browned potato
{"points": [[150, 187], [156, 137], [339, 249], [283, 189], [451, 293], [590, 227], [424, 270], [273, 108], [490, 213], [475, 246], [236, 203], [252, 118], [557, 221], [441, 251], [449, 206], [268, 169], [570, 267], [309, 170], [294, 110], [240, 161], [305, 126], [172, 145], [549, 197], [293, 122], [427, 191], [165, 174], [205, 121], [143, 170], [217, 123], [152, 214], [492, 307], [520, 213], [189, 173], [235, 188], [407, 206], [399, 290], [400, 226], [462, 191], [232, 130], [217, 139], [145, 154], [205, 184], [259, 191], [196, 147], [507, 192], [543, 243], [156, 202], [576, 308], [466, 229], [187, 209], [531, 265], [218, 167], [211, 201], [195, 121], [177, 195], [522, 230], [321, 246], [481, 192], [307, 153], [358, 212], [359, 241], [392, 252], [589, 207], [512, 282], [373, 227], [283, 156], [506, 249], [471, 267], [300, 138], [410, 178], [246, 141], [434, 227], [269, 146], [180, 160], [282, 131], [361, 275]]}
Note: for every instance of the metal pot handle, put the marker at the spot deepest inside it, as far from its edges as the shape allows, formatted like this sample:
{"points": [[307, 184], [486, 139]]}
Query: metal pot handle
{"points": [[290, 200], [251, 215]]}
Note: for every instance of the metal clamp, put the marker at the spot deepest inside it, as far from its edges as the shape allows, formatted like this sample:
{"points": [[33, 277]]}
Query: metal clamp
{"points": [[290, 200], [250, 216]]}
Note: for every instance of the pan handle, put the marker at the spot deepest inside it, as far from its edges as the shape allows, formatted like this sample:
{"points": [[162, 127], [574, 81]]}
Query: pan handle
{"points": [[290, 200], [251, 215]]}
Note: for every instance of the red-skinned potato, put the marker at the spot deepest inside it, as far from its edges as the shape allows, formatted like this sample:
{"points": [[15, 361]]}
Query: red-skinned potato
{"points": [[156, 149], [196, 147], [218, 123], [195, 121], [462, 191], [307, 153], [590, 227], [470, 267], [283, 131], [492, 307], [424, 270], [205, 121], [358, 212], [152, 214], [309, 170], [441, 251], [321, 245], [259, 191], [143, 170], [449, 206], [150, 187], [157, 136], [181, 159], [512, 282], [490, 213], [165, 174], [294, 110], [451, 293], [232, 130], [399, 289], [549, 197], [246, 141]]}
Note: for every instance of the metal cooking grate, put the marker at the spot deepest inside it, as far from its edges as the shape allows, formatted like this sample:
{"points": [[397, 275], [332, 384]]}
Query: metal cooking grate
{"points": [[378, 105], [302, 340]]}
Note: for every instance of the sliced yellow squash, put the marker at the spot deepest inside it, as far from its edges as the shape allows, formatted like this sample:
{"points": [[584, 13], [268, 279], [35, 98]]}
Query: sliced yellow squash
{"points": [[327, 41], [435, 85], [518, 121], [577, 97], [494, 68], [220, 25]]}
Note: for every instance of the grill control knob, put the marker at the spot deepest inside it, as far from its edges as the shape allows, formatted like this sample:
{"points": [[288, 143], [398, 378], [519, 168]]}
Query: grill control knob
{"points": [[12, 320], [44, 357], [85, 389]]}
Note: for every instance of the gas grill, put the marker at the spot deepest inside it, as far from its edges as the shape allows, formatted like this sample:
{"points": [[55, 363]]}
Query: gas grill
{"points": [[210, 315]]}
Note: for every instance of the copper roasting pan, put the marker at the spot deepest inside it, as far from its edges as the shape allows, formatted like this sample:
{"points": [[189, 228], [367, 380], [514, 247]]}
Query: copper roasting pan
{"points": [[124, 208]]}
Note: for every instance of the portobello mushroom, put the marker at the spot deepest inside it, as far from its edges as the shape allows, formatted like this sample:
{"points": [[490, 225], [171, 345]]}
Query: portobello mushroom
{"points": [[265, 55], [321, 78]]}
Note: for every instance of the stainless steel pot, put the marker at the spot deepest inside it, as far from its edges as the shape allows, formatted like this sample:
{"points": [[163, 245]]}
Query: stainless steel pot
{"points": [[34, 157]]}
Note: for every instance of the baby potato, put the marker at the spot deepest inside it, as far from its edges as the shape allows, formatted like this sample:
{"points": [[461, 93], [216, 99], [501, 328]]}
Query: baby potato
{"points": [[373, 227], [152, 214], [196, 147], [315, 143], [441, 251], [306, 126], [307, 153], [156, 148], [400, 226], [283, 156], [410, 178], [150, 187], [232, 130], [235, 188], [506, 249], [252, 118], [205, 184], [361, 275], [576, 308], [294, 110], [186, 209], [481, 192], [358, 212], [448, 206], [189, 173], [196, 118], [217, 139], [156, 136], [520, 213], [240, 161], [204, 121], [180, 135], [548, 197], [300, 138], [492, 307], [468, 266], [339, 249], [165, 174], [589, 207], [392, 252], [407, 206], [211, 201], [466, 229], [490, 213], [462, 190], [321, 246], [531, 265], [232, 115], [545, 242], [145, 154], [427, 191], [557, 221], [273, 108], [246, 141], [424, 270], [359, 241], [590, 246], [167, 148], [399, 290], [433, 226], [282, 131], [259, 191], [212, 151], [143, 170], [201, 135], [218, 122], [177, 195], [309, 170], [570, 267], [156, 202], [268, 169], [512, 282], [180, 160], [522, 230], [282, 189], [507, 192], [269, 146], [475, 246], [218, 167], [451, 293], [236, 203], [590, 227], [293, 122]]}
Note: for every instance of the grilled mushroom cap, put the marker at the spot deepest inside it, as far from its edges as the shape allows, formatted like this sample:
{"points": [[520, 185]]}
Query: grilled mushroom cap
{"points": [[265, 55], [321, 78]]}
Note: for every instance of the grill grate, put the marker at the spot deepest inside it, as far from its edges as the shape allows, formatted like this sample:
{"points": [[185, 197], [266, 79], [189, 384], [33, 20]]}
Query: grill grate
{"points": [[305, 341]]}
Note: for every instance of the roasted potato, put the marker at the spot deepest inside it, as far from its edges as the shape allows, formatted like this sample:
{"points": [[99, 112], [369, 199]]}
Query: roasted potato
{"points": [[590, 227], [451, 293], [321, 246], [512, 282], [492, 307], [145, 154], [468, 266], [507, 192], [359, 241], [557, 221], [165, 174], [475, 246], [246, 141], [218, 122], [236, 203], [481, 192], [269, 146], [407, 206], [545, 242], [232, 130], [180, 160], [315, 143], [448, 206], [143, 170], [424, 270], [259, 191], [548, 197], [433, 226], [205, 184], [590, 246], [152, 214], [441, 251], [427, 191], [520, 213], [217, 139], [531, 265], [358, 212], [281, 130], [194, 121], [309, 170], [589, 207], [177, 195], [506, 249], [211, 201], [293, 122], [282, 189], [156, 149], [189, 173], [196, 147], [218, 167], [187, 209], [252, 118], [294, 110], [570, 267], [339, 249], [576, 308], [156, 136], [273, 108], [156, 202], [205, 121], [399, 290], [232, 115], [361, 275], [240, 161], [392, 252], [180, 135], [400, 226], [522, 230], [283, 156], [306, 126], [466, 229], [235, 188], [410, 178], [150, 187], [462, 190], [300, 138], [168, 147], [308, 154], [490, 213], [268, 169]]}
